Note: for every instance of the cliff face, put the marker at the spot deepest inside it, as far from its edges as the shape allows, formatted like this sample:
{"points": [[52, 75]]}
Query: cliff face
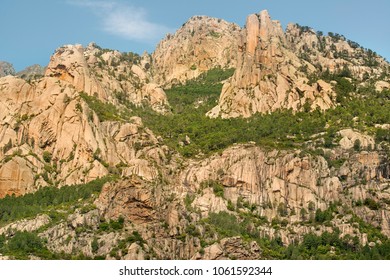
{"points": [[104, 73], [275, 69], [199, 45], [275, 194], [48, 116], [86, 119], [270, 179]]}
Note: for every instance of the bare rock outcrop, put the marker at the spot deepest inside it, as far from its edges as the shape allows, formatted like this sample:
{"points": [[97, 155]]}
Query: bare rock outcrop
{"points": [[351, 138], [382, 85], [108, 75], [49, 134], [130, 199], [231, 248], [277, 69], [280, 182], [268, 75], [267, 178], [68, 64], [16, 177], [334, 53], [26, 225], [63, 141], [199, 45]]}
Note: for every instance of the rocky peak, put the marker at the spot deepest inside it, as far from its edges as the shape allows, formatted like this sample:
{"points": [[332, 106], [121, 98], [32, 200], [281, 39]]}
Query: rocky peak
{"points": [[275, 69], [106, 73], [51, 117], [261, 29], [252, 33], [69, 64], [262, 39], [202, 43], [334, 52], [268, 75], [6, 68]]}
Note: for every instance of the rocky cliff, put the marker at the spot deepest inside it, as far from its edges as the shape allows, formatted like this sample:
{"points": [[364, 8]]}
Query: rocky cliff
{"points": [[279, 69], [49, 117], [167, 182], [102, 73], [269, 194], [201, 44]]}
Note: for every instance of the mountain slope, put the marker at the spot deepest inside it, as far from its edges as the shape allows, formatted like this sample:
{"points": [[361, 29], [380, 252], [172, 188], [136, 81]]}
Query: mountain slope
{"points": [[62, 116], [201, 44], [6, 69], [277, 69], [97, 161]]}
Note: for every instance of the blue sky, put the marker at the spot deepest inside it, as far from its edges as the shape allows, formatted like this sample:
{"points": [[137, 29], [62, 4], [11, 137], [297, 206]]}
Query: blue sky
{"points": [[30, 30]]}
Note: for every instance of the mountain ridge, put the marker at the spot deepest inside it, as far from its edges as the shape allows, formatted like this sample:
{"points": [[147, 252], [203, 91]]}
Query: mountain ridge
{"points": [[111, 155]]}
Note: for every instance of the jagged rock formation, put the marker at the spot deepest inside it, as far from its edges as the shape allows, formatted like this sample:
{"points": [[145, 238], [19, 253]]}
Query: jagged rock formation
{"points": [[161, 205], [104, 73], [275, 185], [274, 66], [276, 177], [199, 45], [335, 53], [49, 116], [6, 69]]}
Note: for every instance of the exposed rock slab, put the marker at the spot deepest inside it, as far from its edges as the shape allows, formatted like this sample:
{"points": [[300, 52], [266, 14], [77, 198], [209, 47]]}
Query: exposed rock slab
{"points": [[201, 44]]}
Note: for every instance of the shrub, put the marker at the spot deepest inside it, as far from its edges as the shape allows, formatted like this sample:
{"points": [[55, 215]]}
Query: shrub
{"points": [[282, 210], [105, 111], [357, 145], [372, 204], [47, 156], [95, 245], [24, 244], [303, 214], [225, 223]]}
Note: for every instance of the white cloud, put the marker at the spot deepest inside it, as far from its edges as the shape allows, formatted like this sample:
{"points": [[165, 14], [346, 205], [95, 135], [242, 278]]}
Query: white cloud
{"points": [[125, 21], [131, 23]]}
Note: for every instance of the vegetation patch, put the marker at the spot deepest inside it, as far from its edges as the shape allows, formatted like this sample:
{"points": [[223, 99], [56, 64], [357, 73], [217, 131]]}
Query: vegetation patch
{"points": [[15, 208]]}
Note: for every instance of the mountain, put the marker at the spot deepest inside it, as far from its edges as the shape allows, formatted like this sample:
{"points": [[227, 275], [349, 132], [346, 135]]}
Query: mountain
{"points": [[201, 44], [277, 69], [225, 143], [32, 72], [6, 69], [51, 116]]}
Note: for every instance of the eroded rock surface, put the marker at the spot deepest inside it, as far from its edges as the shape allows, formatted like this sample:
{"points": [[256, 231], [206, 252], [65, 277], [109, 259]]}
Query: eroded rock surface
{"points": [[201, 44]]}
